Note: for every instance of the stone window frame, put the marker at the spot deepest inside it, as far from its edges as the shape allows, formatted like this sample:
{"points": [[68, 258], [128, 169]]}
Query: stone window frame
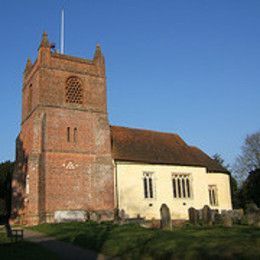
{"points": [[74, 92], [182, 187], [149, 187], [213, 195]]}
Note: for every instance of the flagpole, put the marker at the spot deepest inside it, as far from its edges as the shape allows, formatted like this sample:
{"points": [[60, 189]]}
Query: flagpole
{"points": [[62, 33]]}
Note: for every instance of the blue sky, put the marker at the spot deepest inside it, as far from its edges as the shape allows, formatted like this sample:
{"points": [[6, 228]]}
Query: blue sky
{"points": [[189, 67]]}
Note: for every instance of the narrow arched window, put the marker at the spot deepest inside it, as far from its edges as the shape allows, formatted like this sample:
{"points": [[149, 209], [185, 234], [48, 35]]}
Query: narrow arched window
{"points": [[68, 134], [179, 187], [213, 199], [30, 99], [188, 187], [148, 185], [75, 135], [174, 188], [183, 188], [74, 91]]}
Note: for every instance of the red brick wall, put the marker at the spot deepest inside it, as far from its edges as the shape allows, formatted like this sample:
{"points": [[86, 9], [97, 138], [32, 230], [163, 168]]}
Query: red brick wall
{"points": [[63, 175]]}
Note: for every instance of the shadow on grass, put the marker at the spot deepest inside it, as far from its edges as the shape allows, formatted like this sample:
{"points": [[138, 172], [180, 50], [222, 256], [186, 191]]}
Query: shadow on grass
{"points": [[134, 242], [23, 250]]}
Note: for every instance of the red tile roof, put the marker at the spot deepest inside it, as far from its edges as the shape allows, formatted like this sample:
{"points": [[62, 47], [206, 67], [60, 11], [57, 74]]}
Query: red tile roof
{"points": [[138, 145]]}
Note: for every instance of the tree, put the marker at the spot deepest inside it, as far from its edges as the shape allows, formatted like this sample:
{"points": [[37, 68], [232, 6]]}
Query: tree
{"points": [[250, 189], [233, 182], [218, 158], [249, 159], [6, 170]]}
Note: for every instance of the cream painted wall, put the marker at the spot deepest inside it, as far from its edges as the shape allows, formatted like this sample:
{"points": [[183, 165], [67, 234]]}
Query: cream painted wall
{"points": [[130, 190]]}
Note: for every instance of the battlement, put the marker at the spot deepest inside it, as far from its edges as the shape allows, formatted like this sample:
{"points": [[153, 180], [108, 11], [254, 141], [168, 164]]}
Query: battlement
{"points": [[47, 58], [46, 81]]}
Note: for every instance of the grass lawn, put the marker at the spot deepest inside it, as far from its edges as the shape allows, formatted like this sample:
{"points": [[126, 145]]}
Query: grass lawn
{"points": [[22, 250], [134, 242]]}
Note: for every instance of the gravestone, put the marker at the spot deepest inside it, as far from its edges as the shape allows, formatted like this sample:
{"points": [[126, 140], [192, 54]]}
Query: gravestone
{"points": [[166, 222], [200, 215], [122, 214], [218, 219], [206, 215], [253, 215], [70, 216], [94, 216], [193, 216], [235, 214], [253, 219], [213, 214], [226, 220]]}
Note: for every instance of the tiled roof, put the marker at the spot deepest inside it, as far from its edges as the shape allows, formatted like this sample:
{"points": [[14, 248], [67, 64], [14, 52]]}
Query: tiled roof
{"points": [[137, 145]]}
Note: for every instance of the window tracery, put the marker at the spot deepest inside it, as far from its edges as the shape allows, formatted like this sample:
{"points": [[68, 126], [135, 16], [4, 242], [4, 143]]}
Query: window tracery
{"points": [[181, 186]]}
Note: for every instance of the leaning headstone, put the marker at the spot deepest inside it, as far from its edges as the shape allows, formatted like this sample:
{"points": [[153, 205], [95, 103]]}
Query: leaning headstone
{"points": [[193, 216], [206, 215], [166, 222]]}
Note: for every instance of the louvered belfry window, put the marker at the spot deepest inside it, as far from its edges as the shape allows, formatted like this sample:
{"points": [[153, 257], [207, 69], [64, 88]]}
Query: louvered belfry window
{"points": [[74, 91]]}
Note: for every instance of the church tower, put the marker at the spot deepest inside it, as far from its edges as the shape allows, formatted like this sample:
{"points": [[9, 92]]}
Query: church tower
{"points": [[63, 152]]}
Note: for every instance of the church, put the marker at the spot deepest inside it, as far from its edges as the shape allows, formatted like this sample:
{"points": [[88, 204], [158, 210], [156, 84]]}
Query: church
{"points": [[71, 164]]}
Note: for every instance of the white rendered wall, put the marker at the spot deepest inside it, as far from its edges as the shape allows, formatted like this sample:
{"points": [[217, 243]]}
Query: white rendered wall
{"points": [[130, 190]]}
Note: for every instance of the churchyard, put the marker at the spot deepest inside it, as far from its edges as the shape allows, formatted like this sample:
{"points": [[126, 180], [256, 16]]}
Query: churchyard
{"points": [[208, 234], [131, 241]]}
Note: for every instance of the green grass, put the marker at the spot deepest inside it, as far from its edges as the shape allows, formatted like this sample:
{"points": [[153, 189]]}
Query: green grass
{"points": [[134, 242], [22, 250]]}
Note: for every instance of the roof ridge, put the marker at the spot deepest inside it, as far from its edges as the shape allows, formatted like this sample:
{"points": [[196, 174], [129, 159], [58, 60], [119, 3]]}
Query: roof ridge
{"points": [[147, 130]]}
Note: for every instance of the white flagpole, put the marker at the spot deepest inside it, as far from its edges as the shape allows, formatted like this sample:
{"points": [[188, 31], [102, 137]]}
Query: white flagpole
{"points": [[62, 32]]}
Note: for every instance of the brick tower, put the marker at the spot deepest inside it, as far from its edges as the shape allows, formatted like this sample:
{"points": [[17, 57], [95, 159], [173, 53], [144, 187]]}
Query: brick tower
{"points": [[63, 152]]}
